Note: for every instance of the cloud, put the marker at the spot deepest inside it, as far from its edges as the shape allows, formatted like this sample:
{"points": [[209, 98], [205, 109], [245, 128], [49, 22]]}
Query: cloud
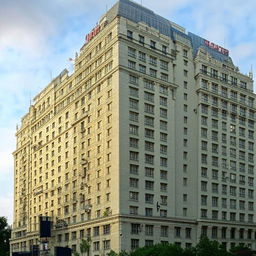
{"points": [[6, 205]]}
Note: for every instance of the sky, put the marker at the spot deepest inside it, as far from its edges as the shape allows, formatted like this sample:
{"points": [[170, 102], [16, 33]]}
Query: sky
{"points": [[38, 37]]}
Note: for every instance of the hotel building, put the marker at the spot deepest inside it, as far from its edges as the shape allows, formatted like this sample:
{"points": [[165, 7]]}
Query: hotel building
{"points": [[149, 140]]}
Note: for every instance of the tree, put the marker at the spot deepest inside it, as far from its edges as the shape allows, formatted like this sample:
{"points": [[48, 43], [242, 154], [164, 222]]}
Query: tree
{"points": [[85, 246], [241, 250], [112, 253], [76, 253], [5, 235], [206, 247]]}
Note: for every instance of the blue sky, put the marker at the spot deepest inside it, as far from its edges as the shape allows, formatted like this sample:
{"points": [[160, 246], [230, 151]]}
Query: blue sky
{"points": [[38, 37]]}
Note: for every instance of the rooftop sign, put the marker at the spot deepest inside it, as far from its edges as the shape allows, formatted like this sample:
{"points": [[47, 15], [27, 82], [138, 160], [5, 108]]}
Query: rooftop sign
{"points": [[216, 47], [95, 31]]}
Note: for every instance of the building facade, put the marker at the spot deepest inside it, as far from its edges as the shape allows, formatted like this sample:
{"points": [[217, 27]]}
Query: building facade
{"points": [[149, 140]]}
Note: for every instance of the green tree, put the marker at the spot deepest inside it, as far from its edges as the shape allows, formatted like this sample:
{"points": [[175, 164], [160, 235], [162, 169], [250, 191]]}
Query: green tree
{"points": [[206, 247], [5, 235], [76, 253], [241, 250], [85, 246], [112, 253]]}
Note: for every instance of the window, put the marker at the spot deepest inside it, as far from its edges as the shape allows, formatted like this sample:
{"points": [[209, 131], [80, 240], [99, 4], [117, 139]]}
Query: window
{"points": [[133, 210], [203, 200], [188, 232], [149, 108], [163, 64], [149, 185], [149, 121], [142, 68], [163, 89], [164, 49], [149, 96], [163, 161], [133, 79], [163, 137], [152, 72], [163, 213], [134, 244], [141, 39], [203, 213], [149, 133], [131, 64], [134, 142], [203, 186], [133, 116], [134, 92], [134, 196], [148, 211], [142, 56], [163, 187], [133, 129], [149, 172], [163, 101], [106, 244], [164, 77], [163, 125], [149, 85], [149, 159], [164, 231], [134, 104], [149, 146], [177, 231], [129, 34], [134, 183], [134, 156], [149, 198], [131, 52], [152, 44], [163, 112], [149, 230], [96, 231], [96, 246]]}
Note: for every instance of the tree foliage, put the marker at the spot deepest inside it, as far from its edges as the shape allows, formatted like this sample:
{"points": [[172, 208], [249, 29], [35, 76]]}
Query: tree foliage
{"points": [[5, 235], [85, 246], [205, 247]]}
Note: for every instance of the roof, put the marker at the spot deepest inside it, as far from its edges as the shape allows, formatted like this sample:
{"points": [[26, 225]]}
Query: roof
{"points": [[137, 13]]}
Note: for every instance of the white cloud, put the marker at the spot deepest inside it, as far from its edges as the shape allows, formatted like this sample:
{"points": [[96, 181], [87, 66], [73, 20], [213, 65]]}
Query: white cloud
{"points": [[6, 205]]}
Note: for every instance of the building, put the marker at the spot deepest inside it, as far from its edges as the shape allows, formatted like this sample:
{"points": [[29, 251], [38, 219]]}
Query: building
{"points": [[150, 140]]}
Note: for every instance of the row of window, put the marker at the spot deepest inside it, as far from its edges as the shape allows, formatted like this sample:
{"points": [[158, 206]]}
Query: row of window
{"points": [[145, 41], [215, 188], [215, 161], [152, 72], [152, 60], [233, 216], [231, 177], [233, 203], [223, 76]]}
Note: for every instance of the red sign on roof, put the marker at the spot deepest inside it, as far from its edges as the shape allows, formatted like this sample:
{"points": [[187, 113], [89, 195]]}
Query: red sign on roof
{"points": [[216, 47]]}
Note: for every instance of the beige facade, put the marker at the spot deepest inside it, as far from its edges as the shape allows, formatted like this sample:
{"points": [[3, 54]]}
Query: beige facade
{"points": [[144, 143]]}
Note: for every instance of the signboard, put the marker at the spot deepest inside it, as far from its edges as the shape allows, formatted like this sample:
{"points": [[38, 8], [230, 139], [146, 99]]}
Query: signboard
{"points": [[216, 47], [95, 31]]}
